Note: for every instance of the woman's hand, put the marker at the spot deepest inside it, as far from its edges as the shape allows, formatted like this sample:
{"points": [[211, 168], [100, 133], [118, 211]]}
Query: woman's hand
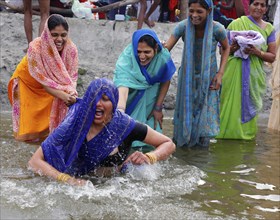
{"points": [[76, 182], [158, 118], [234, 47], [69, 99], [252, 50], [216, 81], [137, 158]]}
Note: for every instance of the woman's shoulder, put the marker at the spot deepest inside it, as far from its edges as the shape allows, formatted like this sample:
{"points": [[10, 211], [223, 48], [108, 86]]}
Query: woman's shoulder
{"points": [[35, 42], [217, 25], [164, 54], [218, 29], [269, 26]]}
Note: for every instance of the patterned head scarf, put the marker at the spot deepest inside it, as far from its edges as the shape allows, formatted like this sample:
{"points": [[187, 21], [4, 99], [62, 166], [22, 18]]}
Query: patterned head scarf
{"points": [[52, 69]]}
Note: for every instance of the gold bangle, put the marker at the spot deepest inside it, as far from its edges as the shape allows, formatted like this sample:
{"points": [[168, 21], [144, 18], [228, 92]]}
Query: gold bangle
{"points": [[152, 157], [63, 177], [262, 53]]}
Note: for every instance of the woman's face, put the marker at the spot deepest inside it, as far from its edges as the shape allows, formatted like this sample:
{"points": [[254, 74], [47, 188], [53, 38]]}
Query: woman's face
{"points": [[145, 53], [59, 36], [257, 9], [198, 14], [103, 113]]}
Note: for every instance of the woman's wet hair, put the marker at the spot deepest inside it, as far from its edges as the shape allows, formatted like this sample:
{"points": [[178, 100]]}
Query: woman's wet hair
{"points": [[57, 20], [203, 3], [149, 40], [251, 2]]}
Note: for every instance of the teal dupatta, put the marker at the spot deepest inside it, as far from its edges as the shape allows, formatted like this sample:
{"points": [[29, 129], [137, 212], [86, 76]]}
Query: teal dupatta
{"points": [[143, 81]]}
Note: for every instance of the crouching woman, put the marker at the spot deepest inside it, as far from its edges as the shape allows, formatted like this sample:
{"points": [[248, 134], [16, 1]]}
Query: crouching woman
{"points": [[95, 134]]}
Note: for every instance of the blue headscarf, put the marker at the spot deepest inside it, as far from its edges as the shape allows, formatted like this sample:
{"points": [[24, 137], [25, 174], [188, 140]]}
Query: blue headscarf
{"points": [[63, 149], [165, 72]]}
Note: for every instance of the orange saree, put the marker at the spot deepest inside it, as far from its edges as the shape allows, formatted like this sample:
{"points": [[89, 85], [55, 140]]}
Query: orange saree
{"points": [[36, 112], [31, 105]]}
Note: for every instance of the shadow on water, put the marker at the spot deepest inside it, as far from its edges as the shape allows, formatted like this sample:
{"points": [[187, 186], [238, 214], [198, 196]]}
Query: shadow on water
{"points": [[228, 180]]}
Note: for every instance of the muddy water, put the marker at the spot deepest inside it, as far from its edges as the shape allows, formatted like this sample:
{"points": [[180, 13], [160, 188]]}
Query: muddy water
{"points": [[228, 180]]}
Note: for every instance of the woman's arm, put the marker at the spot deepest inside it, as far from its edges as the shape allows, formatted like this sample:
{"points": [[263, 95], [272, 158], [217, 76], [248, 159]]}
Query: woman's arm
{"points": [[157, 110], [38, 164], [217, 80], [123, 94], [268, 56], [163, 144], [170, 43], [68, 99]]}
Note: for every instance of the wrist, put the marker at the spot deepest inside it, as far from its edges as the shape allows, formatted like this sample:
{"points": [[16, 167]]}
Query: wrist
{"points": [[121, 108], [158, 108], [261, 53], [152, 157], [63, 177]]}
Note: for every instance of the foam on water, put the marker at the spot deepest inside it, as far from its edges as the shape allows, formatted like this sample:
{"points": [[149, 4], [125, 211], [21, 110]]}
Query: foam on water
{"points": [[274, 198], [274, 209], [261, 186]]}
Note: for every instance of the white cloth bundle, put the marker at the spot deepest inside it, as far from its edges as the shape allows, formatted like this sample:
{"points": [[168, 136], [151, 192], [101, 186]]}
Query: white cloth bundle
{"points": [[245, 38]]}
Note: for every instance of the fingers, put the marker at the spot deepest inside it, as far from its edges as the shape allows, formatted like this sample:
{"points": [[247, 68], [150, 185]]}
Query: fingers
{"points": [[138, 158], [160, 123], [70, 100], [215, 84], [76, 182]]}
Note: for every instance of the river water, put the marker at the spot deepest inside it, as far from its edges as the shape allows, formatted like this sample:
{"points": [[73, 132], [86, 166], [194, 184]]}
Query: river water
{"points": [[228, 180]]}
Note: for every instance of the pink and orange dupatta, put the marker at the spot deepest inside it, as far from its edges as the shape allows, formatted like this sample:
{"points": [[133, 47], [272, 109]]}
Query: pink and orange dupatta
{"points": [[35, 112], [55, 70]]}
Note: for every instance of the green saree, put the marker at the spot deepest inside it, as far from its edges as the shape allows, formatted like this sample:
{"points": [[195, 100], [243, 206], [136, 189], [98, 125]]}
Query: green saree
{"points": [[232, 125]]}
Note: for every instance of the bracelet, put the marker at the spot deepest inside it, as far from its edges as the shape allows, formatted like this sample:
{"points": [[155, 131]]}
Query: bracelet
{"points": [[158, 108], [152, 157], [63, 177], [262, 53]]}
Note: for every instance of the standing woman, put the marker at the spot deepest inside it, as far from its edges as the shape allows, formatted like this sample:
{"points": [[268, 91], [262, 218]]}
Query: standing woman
{"points": [[196, 117], [274, 116], [244, 82], [44, 82], [142, 75]]}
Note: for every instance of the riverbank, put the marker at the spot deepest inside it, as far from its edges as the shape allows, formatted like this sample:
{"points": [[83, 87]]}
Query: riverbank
{"points": [[99, 43]]}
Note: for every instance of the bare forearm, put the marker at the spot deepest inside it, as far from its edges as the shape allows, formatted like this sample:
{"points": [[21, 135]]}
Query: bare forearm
{"points": [[55, 92], [40, 166], [224, 58], [162, 92], [164, 146], [164, 150], [123, 95], [170, 43], [266, 56]]}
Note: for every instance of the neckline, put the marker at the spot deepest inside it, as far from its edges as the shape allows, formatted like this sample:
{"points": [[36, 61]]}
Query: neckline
{"points": [[255, 22]]}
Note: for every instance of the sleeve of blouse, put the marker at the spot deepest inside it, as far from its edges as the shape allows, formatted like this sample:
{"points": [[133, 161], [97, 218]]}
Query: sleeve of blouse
{"points": [[271, 38], [139, 132], [220, 32], [179, 30]]}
